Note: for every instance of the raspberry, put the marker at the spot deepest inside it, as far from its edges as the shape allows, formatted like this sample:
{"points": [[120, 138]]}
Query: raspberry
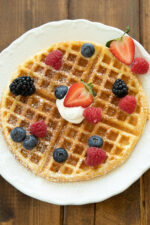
{"points": [[95, 156], [140, 66], [54, 59], [93, 114], [39, 129], [127, 104]]}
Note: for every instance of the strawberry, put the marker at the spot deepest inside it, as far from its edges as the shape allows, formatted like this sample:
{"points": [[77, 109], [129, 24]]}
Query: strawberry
{"points": [[123, 48], [79, 94]]}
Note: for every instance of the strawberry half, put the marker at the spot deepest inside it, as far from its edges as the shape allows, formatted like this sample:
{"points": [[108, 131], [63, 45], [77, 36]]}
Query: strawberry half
{"points": [[123, 48], [79, 94]]}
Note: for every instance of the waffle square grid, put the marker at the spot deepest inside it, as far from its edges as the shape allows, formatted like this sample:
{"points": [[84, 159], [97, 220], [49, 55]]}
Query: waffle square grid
{"points": [[119, 130]]}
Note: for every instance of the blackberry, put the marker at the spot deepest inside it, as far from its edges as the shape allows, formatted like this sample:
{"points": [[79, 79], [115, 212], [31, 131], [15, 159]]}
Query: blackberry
{"points": [[22, 86], [120, 88]]}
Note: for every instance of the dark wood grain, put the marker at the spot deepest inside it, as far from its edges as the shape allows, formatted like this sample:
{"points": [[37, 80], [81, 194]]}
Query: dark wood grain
{"points": [[18, 16], [145, 180], [79, 215], [111, 12], [132, 207], [122, 209], [23, 210]]}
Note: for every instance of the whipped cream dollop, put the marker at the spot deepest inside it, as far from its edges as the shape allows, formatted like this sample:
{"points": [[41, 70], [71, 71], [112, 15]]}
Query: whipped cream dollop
{"points": [[71, 114]]}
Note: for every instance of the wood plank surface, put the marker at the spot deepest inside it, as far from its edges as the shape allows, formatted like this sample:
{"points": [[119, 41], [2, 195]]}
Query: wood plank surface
{"points": [[132, 207], [145, 179], [18, 209]]}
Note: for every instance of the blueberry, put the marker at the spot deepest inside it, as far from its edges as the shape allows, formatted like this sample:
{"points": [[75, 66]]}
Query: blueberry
{"points": [[30, 142], [18, 134], [60, 155], [61, 91], [87, 50], [95, 141]]}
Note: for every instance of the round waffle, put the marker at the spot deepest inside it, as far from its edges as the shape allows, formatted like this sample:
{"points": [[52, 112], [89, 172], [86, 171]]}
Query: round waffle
{"points": [[119, 130]]}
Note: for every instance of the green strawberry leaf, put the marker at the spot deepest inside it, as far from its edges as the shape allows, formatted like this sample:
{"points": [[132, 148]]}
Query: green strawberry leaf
{"points": [[94, 93], [108, 43], [89, 88], [127, 30], [118, 39]]}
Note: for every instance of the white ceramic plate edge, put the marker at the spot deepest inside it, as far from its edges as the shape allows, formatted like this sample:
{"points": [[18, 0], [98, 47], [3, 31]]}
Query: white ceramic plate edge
{"points": [[94, 198]]}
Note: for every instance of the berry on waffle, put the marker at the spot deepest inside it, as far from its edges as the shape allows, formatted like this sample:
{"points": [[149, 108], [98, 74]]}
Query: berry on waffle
{"points": [[119, 130]]}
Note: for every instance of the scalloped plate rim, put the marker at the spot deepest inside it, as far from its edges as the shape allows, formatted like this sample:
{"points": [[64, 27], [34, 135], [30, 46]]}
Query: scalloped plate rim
{"points": [[89, 199]]}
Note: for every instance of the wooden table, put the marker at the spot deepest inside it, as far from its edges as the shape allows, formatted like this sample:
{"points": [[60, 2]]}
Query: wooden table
{"points": [[129, 208]]}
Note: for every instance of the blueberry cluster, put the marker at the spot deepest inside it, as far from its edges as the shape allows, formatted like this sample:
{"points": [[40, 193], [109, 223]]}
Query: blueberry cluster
{"points": [[23, 85], [18, 134], [120, 88]]}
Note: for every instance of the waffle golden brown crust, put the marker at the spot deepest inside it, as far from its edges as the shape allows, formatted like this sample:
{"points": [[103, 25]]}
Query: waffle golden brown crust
{"points": [[119, 130]]}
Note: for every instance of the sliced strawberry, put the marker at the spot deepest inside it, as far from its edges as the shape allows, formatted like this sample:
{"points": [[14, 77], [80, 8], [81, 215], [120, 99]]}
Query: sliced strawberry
{"points": [[79, 94], [123, 49]]}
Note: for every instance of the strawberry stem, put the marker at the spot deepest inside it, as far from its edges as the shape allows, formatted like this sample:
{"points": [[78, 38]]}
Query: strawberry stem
{"points": [[89, 87], [118, 39], [126, 31]]}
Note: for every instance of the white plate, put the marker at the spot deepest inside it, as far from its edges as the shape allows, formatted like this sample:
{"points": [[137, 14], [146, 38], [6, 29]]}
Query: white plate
{"points": [[95, 190]]}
